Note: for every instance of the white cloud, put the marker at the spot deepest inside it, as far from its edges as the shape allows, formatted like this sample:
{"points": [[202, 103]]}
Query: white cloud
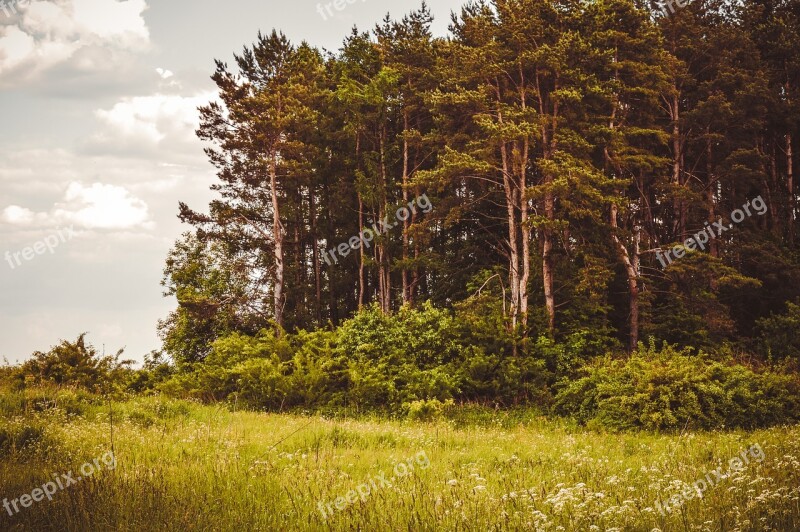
{"points": [[96, 206], [152, 119], [100, 206], [49, 33], [113, 20], [17, 215]]}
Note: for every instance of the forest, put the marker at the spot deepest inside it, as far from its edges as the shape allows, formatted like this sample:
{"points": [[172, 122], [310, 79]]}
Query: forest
{"points": [[583, 208], [561, 145], [547, 263], [485, 215]]}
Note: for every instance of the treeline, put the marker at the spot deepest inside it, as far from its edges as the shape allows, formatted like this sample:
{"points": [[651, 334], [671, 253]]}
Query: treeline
{"points": [[426, 363], [564, 147]]}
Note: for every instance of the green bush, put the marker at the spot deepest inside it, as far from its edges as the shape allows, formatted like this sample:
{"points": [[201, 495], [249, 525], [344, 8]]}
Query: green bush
{"points": [[156, 370], [75, 364], [429, 410], [777, 334], [73, 402], [669, 389], [23, 436], [141, 418], [373, 361]]}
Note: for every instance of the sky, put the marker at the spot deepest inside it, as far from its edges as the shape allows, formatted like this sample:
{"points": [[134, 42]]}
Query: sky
{"points": [[98, 108]]}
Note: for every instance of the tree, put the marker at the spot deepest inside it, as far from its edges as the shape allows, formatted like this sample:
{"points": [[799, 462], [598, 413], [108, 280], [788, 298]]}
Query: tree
{"points": [[259, 129], [215, 297]]}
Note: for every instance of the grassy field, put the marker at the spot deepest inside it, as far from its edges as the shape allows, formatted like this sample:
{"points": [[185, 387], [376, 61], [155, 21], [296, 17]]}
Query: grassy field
{"points": [[183, 466]]}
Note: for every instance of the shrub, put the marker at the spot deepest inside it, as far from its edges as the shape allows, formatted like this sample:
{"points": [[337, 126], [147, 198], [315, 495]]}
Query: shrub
{"points": [[429, 410], [156, 370], [668, 389], [141, 418], [75, 364], [778, 336], [373, 361], [20, 436]]}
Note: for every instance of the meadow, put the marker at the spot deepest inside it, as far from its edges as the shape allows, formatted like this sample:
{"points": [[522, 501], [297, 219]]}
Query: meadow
{"points": [[181, 465]]}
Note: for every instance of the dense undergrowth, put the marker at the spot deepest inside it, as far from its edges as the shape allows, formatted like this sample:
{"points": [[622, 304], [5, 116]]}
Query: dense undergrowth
{"points": [[429, 363]]}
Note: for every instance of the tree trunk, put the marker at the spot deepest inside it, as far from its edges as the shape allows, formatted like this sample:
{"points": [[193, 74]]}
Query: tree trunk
{"points": [[547, 262], [384, 264], [362, 285], [790, 187], [333, 302], [631, 264], [633, 285], [315, 250], [679, 225], [277, 230], [523, 206], [406, 295], [773, 188], [713, 248], [513, 249], [300, 277], [549, 142]]}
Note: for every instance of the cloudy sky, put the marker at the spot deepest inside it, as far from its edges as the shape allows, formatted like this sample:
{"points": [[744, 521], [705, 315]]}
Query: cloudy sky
{"points": [[98, 106]]}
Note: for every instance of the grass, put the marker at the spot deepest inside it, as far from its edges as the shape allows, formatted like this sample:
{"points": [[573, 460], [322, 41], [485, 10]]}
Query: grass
{"points": [[185, 466]]}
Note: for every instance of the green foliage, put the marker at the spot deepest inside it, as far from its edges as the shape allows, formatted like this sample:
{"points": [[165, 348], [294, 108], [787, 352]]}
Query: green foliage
{"points": [[564, 146], [20, 437], [75, 364], [668, 389], [429, 410], [373, 361], [207, 286], [33, 400], [693, 307], [155, 371], [778, 334]]}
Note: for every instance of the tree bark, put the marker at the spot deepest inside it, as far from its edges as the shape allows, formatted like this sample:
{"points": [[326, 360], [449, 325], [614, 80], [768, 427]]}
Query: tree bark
{"points": [[333, 302], [362, 285], [315, 250], [406, 295], [713, 248], [384, 270], [510, 192], [548, 150], [772, 188], [277, 230], [790, 187], [679, 225], [631, 263], [523, 206]]}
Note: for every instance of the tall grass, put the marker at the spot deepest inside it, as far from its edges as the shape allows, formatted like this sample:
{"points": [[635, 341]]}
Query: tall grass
{"points": [[185, 466]]}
